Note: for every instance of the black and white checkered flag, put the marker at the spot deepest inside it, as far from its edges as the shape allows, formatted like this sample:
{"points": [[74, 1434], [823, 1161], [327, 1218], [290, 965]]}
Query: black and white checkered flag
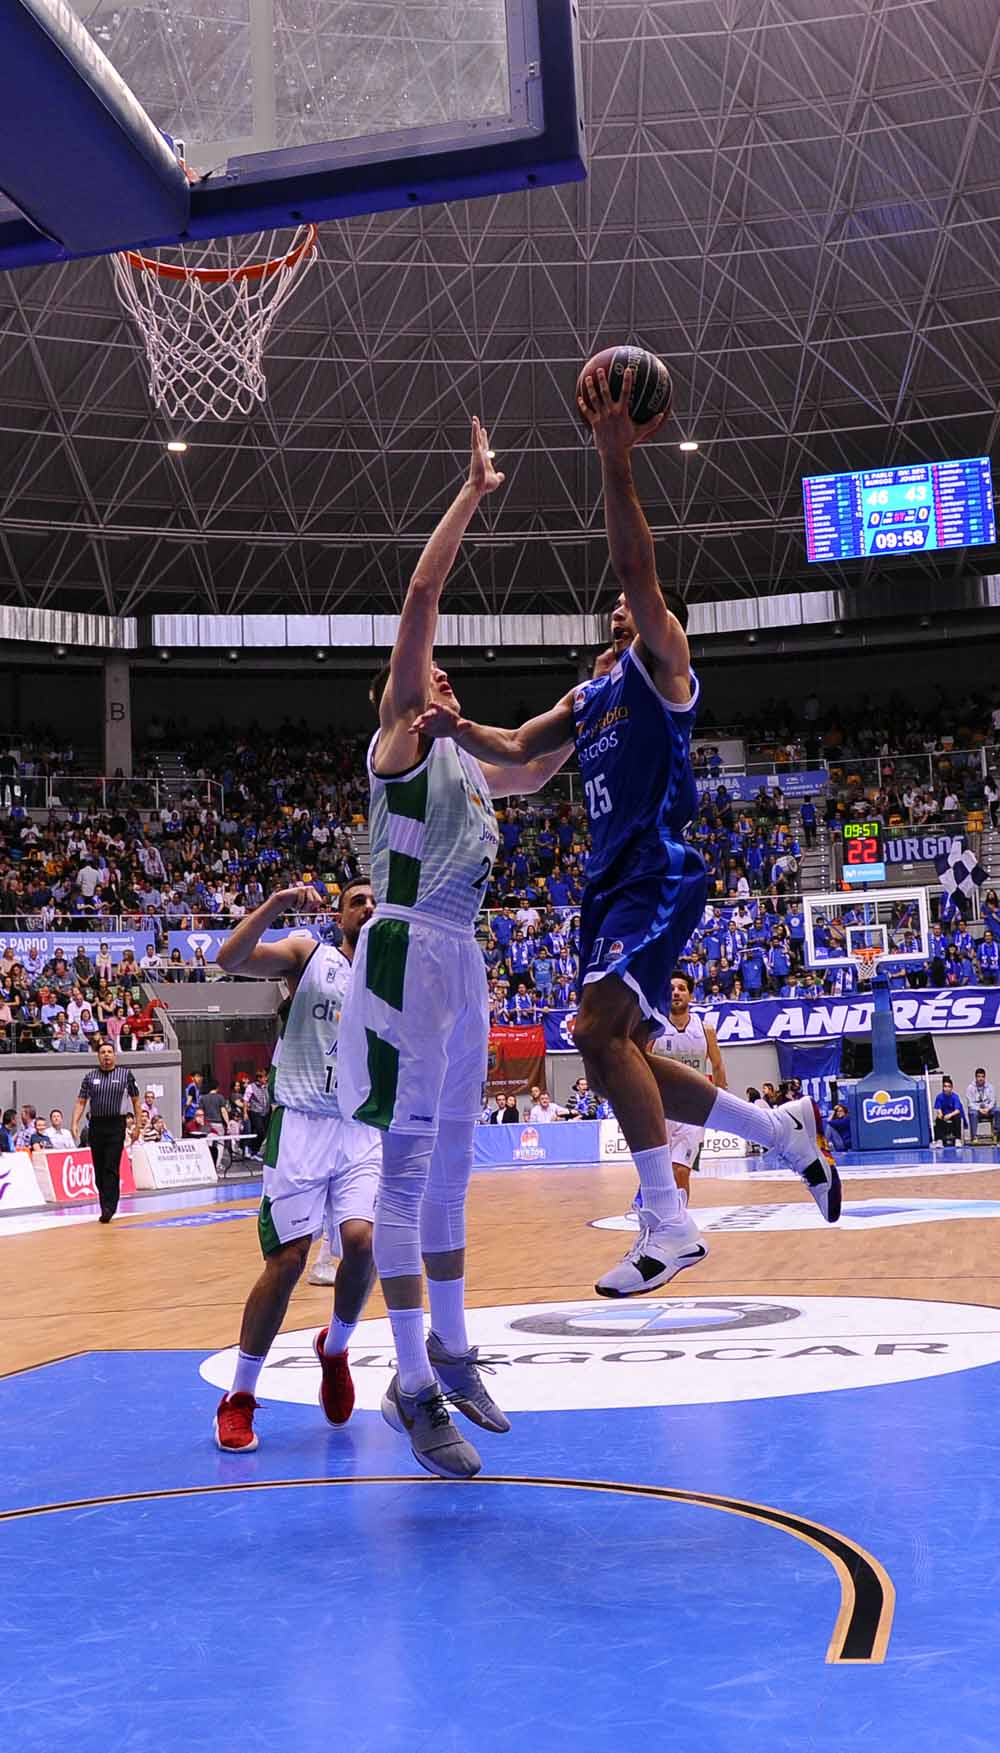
{"points": [[959, 870]]}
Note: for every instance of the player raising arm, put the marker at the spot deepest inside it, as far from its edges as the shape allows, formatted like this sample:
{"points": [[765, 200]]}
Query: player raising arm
{"points": [[645, 887], [320, 1167], [414, 1036]]}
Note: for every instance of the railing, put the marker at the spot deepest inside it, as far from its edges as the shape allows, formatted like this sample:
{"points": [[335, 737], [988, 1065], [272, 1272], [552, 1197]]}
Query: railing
{"points": [[928, 767], [89, 792]]}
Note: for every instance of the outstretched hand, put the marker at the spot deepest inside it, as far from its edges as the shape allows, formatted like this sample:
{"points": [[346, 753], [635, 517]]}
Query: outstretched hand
{"points": [[437, 721], [609, 420], [483, 477]]}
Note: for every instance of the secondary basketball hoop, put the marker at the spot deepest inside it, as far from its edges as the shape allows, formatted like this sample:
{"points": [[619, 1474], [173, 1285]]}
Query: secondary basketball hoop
{"points": [[205, 313]]}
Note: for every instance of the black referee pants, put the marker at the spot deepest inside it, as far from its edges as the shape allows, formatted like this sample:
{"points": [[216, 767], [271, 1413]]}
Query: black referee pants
{"points": [[106, 1139]]}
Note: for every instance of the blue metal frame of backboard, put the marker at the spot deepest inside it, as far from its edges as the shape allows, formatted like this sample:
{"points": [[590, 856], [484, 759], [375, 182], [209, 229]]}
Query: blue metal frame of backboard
{"points": [[540, 142]]}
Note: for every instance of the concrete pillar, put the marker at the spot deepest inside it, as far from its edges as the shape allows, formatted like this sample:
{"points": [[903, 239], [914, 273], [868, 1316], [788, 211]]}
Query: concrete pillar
{"points": [[117, 716]]}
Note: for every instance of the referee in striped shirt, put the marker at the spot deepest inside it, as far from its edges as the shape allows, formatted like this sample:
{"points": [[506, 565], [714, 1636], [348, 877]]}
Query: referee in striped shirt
{"points": [[108, 1090]]}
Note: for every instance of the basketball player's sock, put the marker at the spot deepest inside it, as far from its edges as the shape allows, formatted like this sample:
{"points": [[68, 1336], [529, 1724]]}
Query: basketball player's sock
{"points": [[412, 1366], [447, 1300], [338, 1335], [247, 1371], [661, 1201], [732, 1114]]}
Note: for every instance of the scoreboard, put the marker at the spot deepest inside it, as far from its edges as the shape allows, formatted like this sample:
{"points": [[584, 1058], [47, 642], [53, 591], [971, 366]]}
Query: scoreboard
{"points": [[864, 857], [899, 511]]}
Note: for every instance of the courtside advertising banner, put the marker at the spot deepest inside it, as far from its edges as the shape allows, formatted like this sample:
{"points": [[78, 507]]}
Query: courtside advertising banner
{"points": [[613, 1148], [70, 1175], [959, 1010], [19, 1188], [525, 1146], [182, 1162]]}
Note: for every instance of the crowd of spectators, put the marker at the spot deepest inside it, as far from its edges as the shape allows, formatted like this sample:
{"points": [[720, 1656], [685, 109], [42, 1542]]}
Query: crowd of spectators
{"points": [[69, 1004], [287, 802], [780, 731], [541, 1110]]}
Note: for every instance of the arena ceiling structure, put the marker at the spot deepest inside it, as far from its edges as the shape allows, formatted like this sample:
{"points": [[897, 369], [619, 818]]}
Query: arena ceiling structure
{"points": [[795, 202]]}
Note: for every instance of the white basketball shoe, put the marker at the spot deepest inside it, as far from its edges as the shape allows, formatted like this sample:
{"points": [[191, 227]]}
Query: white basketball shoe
{"points": [[798, 1148], [658, 1254]]}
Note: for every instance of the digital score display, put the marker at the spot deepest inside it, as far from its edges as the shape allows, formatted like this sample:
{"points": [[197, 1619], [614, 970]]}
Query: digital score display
{"points": [[873, 512], [864, 859]]}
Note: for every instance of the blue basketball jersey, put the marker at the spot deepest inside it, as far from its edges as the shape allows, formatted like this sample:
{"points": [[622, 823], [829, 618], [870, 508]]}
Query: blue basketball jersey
{"points": [[634, 751]]}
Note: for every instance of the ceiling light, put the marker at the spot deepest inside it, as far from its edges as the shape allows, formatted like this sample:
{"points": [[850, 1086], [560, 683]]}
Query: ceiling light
{"points": [[321, 657], [60, 651], [164, 657], [688, 444], [489, 654], [573, 653], [838, 632], [177, 445], [233, 656], [751, 638]]}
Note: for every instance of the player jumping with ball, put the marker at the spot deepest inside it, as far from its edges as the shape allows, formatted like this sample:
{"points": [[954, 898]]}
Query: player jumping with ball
{"points": [[645, 889]]}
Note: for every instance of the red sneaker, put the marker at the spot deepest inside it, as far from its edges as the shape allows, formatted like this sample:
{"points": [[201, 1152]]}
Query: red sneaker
{"points": [[233, 1426], [336, 1390]]}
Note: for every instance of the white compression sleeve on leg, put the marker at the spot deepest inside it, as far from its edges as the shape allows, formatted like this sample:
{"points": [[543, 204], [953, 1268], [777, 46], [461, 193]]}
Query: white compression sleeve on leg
{"points": [[442, 1229], [442, 1215], [406, 1163]]}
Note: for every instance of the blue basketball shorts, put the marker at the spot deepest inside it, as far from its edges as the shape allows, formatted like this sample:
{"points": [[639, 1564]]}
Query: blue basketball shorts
{"points": [[638, 926]]}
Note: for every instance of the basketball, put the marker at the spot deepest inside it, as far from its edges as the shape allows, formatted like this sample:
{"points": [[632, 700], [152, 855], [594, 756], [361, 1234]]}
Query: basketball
{"points": [[652, 389]]}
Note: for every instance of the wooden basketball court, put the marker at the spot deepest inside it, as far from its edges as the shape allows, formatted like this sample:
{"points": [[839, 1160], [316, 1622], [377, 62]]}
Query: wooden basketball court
{"points": [[830, 1391]]}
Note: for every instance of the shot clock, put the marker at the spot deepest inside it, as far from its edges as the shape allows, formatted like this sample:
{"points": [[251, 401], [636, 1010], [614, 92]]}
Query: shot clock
{"points": [[911, 509], [864, 859]]}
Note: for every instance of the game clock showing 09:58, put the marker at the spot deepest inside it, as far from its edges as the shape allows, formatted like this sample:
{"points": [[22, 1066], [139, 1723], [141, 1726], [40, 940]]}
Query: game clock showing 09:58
{"points": [[864, 858]]}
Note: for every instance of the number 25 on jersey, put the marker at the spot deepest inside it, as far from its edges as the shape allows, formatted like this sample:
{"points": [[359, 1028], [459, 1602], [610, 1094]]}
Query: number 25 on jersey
{"points": [[598, 797]]}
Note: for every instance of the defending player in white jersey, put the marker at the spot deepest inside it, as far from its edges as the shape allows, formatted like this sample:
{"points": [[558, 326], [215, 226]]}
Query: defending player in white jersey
{"points": [[320, 1167], [413, 1042], [688, 1041]]}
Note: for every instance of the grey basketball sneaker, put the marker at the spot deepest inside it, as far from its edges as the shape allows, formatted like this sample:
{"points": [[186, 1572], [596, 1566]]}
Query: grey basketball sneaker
{"points": [[463, 1385], [437, 1444]]}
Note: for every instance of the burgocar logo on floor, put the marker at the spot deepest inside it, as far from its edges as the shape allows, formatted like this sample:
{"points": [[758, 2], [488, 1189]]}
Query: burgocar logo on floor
{"points": [[674, 1351]]}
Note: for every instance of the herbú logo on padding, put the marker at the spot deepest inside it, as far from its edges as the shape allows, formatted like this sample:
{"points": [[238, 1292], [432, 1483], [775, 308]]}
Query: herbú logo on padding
{"points": [[882, 1106]]}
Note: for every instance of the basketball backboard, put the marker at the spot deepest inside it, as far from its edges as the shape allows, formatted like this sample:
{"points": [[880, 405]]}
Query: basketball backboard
{"points": [[316, 109], [893, 924]]}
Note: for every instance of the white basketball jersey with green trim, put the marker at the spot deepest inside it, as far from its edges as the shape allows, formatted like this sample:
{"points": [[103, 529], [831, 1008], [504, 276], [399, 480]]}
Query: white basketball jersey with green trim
{"points": [[304, 1063], [688, 1045], [433, 835]]}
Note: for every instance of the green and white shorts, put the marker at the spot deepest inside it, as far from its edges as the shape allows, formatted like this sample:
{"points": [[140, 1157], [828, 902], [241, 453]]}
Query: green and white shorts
{"points": [[319, 1171], [414, 1030]]}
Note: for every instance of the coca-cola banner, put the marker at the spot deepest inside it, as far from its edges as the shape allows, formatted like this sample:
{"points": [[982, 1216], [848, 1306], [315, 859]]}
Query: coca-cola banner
{"points": [[71, 1173]]}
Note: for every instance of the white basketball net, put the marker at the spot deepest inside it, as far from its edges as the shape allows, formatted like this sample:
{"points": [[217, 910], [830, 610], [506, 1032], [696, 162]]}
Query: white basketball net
{"points": [[205, 313]]}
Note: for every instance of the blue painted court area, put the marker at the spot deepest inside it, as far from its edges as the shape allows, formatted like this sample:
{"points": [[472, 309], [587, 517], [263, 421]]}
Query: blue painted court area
{"points": [[398, 1612]]}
